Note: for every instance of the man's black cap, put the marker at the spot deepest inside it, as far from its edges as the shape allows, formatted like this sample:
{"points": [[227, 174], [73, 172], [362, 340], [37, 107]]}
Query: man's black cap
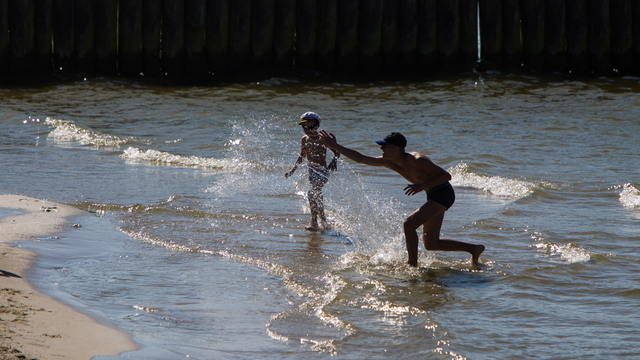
{"points": [[394, 138]]}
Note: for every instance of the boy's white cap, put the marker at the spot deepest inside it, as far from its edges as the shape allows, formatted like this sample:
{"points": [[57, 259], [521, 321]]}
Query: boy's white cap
{"points": [[308, 116]]}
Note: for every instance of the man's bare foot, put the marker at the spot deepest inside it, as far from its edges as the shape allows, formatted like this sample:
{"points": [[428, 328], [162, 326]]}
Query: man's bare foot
{"points": [[413, 263], [475, 255], [312, 227]]}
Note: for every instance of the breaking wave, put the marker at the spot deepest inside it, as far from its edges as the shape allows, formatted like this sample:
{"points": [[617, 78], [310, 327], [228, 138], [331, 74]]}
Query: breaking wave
{"points": [[66, 131], [496, 185]]}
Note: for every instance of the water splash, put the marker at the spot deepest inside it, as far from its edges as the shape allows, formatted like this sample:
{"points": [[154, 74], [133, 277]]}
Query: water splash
{"points": [[68, 131], [496, 185]]}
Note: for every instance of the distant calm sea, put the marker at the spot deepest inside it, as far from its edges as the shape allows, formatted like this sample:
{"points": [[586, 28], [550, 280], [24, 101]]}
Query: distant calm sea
{"points": [[195, 241]]}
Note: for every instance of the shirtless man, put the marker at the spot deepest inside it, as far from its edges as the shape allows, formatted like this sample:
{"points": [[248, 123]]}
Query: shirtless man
{"points": [[316, 154], [423, 175]]}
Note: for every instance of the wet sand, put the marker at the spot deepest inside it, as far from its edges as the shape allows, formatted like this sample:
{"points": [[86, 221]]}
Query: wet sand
{"points": [[34, 325]]}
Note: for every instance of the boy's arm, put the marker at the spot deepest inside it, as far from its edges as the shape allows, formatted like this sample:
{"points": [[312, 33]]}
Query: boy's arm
{"points": [[330, 141], [299, 160]]}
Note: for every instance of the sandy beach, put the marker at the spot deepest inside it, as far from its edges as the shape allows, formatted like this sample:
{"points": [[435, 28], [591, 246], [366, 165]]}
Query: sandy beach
{"points": [[34, 325]]}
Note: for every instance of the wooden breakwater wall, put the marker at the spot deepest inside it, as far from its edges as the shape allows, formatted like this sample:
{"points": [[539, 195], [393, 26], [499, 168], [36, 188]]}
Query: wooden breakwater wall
{"points": [[198, 37]]}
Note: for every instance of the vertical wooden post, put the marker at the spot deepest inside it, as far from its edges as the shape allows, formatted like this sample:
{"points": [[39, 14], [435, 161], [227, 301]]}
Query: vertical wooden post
{"points": [[448, 32], [173, 37], [262, 24], [5, 48], [599, 36], [347, 35], [408, 34], [327, 18], [106, 38], [469, 31], [21, 36], [389, 50], [622, 35], [577, 37], [43, 30], [239, 34], [532, 14], [511, 34], [283, 33], [217, 36], [130, 37], [151, 30], [635, 5], [194, 36], [491, 30], [84, 42], [555, 35], [427, 30], [306, 34], [63, 35], [370, 36]]}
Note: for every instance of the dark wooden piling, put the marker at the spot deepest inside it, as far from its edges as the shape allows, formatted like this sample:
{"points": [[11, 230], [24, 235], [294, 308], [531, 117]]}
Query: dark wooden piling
{"points": [[306, 34], [130, 38], [43, 30], [389, 46], [532, 15], [408, 34], [283, 33], [239, 35], [173, 37], [194, 37], [555, 35], [448, 32], [347, 36], [21, 35], [622, 35], [511, 34], [599, 36], [370, 36], [491, 30], [106, 36], [577, 37], [5, 48], [327, 20], [468, 31], [151, 33], [217, 36], [84, 34], [427, 33], [63, 35], [635, 6], [262, 24]]}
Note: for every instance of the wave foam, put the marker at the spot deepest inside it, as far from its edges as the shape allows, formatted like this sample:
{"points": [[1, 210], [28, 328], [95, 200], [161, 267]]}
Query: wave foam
{"points": [[630, 196], [165, 158], [68, 131], [496, 185]]}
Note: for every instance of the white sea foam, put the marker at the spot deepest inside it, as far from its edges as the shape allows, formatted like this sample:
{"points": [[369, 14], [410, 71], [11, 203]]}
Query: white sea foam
{"points": [[630, 196], [496, 185], [571, 253], [165, 158], [67, 131]]}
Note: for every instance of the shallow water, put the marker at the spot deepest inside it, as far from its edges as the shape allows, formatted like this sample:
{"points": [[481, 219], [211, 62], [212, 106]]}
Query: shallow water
{"points": [[196, 242]]}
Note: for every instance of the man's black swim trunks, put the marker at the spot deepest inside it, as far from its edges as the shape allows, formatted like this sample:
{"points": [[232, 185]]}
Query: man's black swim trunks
{"points": [[443, 195]]}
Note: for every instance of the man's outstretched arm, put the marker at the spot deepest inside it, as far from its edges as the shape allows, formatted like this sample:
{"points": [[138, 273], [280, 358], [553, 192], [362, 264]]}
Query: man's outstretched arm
{"points": [[330, 141]]}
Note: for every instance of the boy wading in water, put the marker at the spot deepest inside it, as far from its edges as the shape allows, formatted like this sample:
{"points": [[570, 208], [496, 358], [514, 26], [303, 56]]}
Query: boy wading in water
{"points": [[316, 154], [423, 175]]}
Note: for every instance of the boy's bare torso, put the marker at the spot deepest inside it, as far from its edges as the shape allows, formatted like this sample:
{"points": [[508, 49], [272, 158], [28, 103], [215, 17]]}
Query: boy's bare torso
{"points": [[314, 151]]}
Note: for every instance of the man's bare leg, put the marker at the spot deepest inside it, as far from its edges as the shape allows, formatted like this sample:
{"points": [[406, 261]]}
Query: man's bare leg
{"points": [[430, 216]]}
